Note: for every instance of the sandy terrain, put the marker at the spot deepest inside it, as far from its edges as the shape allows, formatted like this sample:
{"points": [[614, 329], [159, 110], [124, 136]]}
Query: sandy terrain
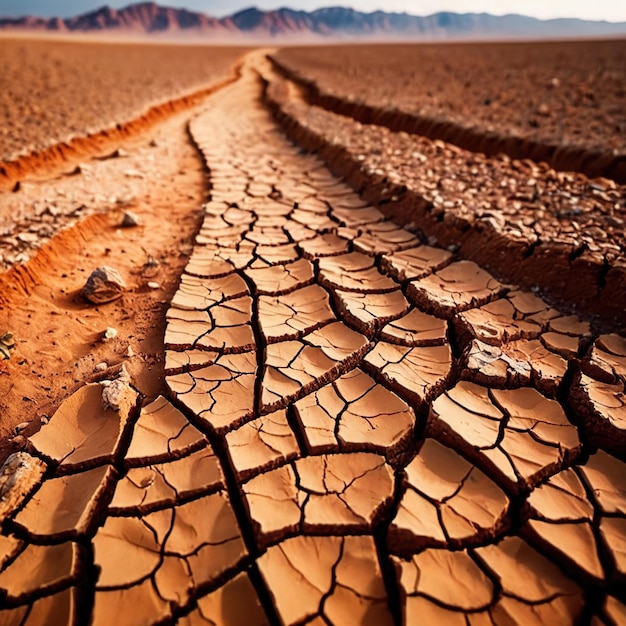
{"points": [[51, 90], [556, 95], [333, 410]]}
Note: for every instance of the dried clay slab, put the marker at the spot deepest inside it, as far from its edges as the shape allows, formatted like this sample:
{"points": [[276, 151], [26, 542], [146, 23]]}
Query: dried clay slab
{"points": [[83, 433], [334, 580], [517, 436], [447, 502], [328, 493]]}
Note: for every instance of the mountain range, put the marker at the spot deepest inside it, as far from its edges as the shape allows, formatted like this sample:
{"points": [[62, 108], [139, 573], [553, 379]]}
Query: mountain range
{"points": [[149, 18]]}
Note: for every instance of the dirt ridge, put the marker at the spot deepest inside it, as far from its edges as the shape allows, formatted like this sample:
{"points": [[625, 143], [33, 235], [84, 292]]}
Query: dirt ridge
{"points": [[592, 163], [598, 290], [59, 154]]}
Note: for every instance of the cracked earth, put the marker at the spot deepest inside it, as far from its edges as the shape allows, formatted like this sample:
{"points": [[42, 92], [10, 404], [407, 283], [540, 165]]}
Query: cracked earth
{"points": [[358, 428]]}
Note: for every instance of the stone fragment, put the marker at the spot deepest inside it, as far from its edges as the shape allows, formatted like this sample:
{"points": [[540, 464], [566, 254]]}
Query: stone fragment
{"points": [[130, 219], [19, 476], [109, 333], [117, 394], [104, 284]]}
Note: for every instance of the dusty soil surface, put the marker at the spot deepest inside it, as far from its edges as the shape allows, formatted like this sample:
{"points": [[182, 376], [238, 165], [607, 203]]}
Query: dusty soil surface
{"points": [[358, 427], [52, 90], [557, 232], [561, 102], [68, 226]]}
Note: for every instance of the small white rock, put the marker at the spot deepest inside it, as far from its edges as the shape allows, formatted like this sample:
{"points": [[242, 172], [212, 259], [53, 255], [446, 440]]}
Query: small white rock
{"points": [[101, 367], [154, 285], [109, 333]]}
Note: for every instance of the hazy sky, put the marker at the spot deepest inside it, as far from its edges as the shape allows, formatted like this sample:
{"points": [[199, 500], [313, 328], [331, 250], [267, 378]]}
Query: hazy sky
{"points": [[612, 10]]}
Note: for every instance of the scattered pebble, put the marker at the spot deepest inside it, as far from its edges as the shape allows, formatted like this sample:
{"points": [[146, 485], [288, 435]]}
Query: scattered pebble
{"points": [[130, 219], [101, 367], [110, 333], [105, 284], [154, 285]]}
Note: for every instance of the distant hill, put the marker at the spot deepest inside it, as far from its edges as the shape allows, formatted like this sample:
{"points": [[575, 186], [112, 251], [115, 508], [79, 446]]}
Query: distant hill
{"points": [[149, 18]]}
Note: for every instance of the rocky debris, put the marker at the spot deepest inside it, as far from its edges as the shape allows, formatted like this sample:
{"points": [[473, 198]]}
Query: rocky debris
{"points": [[7, 343], [117, 394], [104, 284], [20, 474], [130, 219], [109, 333]]}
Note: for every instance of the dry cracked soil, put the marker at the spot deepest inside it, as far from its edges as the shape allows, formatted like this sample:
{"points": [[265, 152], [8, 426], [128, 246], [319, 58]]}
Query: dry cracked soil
{"points": [[331, 414]]}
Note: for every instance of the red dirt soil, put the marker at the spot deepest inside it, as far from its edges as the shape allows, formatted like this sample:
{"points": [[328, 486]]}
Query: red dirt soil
{"points": [[62, 220], [53, 90], [561, 102]]}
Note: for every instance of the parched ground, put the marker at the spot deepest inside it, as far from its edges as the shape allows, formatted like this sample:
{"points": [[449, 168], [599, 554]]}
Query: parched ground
{"points": [[334, 411], [51, 90], [561, 100]]}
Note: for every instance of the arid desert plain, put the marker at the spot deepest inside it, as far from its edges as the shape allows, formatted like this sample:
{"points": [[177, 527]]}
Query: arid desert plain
{"points": [[312, 335]]}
